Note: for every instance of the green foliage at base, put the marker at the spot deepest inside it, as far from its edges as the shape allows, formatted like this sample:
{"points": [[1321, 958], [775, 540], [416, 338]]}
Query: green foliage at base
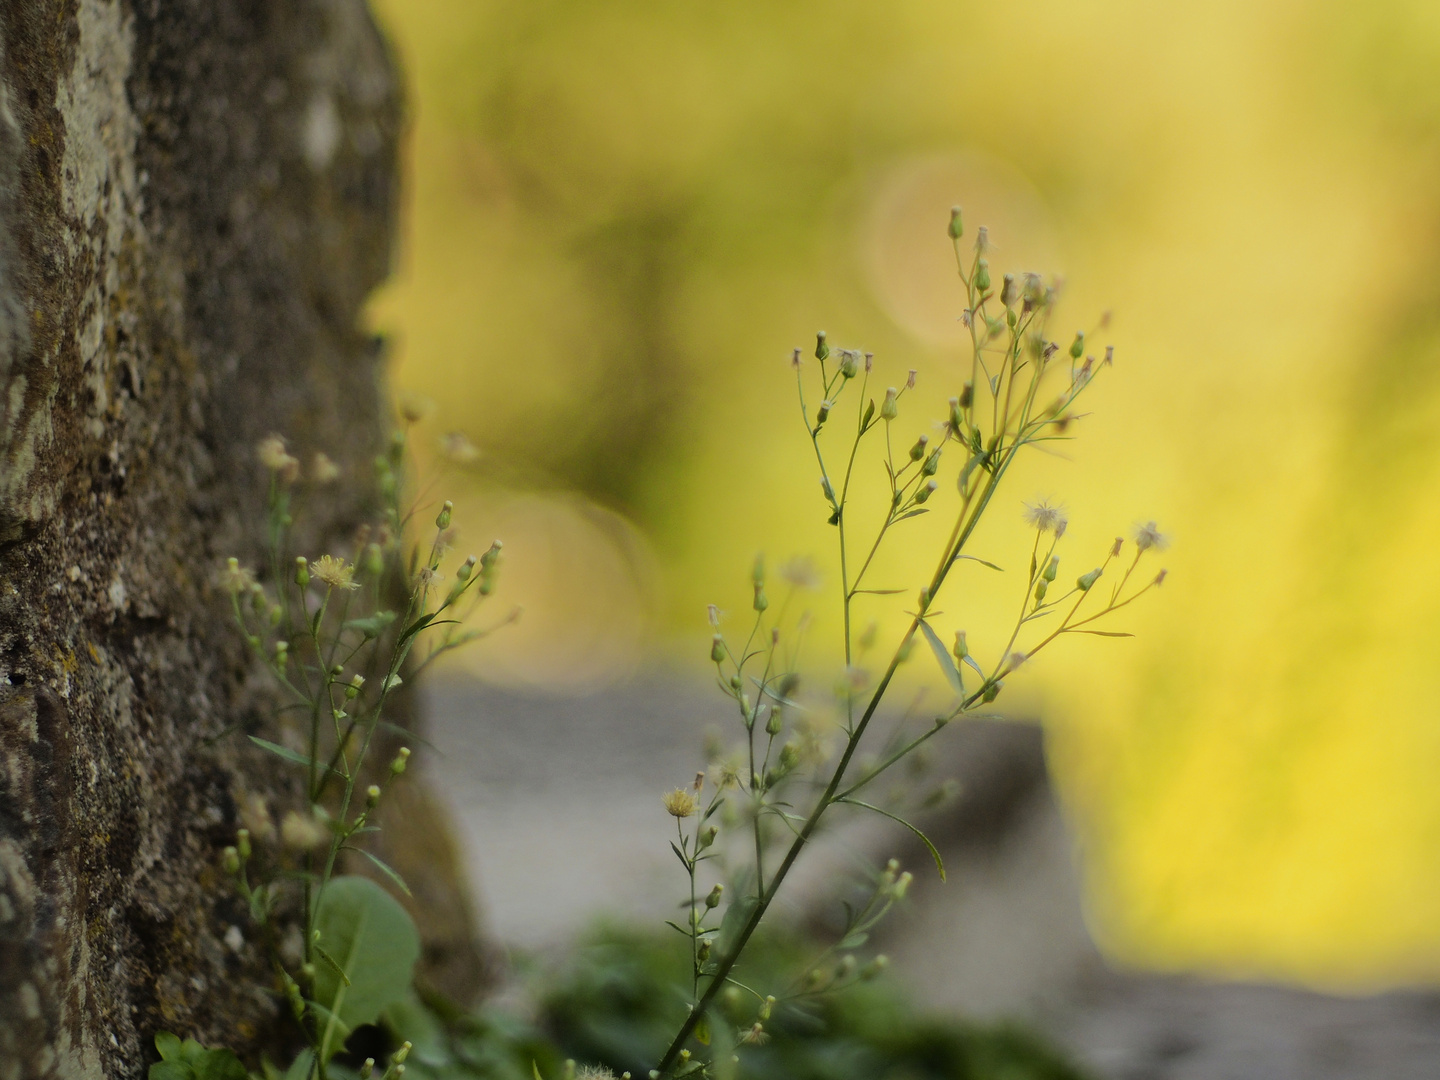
{"points": [[189, 1060], [617, 1004]]}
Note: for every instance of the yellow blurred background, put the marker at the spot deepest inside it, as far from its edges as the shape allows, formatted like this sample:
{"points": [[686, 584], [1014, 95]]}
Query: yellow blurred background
{"points": [[623, 214]]}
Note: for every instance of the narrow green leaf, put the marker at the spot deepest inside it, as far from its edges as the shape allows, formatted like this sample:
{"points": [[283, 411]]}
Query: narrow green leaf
{"points": [[284, 752], [334, 964], [534, 1068], [853, 941], [880, 592], [1100, 633], [913, 513], [982, 562], [416, 626], [942, 657], [934, 852], [372, 626], [386, 869]]}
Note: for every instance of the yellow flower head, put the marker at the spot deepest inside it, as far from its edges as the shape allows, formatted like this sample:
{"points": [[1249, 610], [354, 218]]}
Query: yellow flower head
{"points": [[334, 572], [679, 803]]}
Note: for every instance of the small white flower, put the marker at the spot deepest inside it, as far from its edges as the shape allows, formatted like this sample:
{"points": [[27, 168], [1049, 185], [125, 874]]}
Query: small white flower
{"points": [[1045, 517]]}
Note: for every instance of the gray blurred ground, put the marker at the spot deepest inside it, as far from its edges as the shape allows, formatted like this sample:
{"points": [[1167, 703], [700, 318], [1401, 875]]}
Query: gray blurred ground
{"points": [[557, 800]]}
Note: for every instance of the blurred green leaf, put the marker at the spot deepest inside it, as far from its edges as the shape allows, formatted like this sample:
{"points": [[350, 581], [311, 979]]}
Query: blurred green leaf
{"points": [[372, 938]]}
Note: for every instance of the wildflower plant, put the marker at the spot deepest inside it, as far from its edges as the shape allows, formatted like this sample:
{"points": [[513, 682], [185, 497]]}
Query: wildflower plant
{"points": [[338, 634], [1019, 389]]}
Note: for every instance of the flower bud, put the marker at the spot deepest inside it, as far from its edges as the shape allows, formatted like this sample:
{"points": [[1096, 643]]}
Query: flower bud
{"points": [[302, 571], [766, 1007], [992, 691], [918, 450], [822, 413], [1077, 347], [773, 722], [282, 655], [1008, 291], [356, 684], [1041, 587], [982, 275], [923, 495], [961, 648], [889, 409], [372, 796], [822, 349], [706, 837], [465, 569], [442, 519], [230, 859], [404, 1052], [367, 1069], [1051, 568], [242, 843], [717, 648], [1084, 581], [957, 224], [932, 463], [955, 419], [398, 765], [849, 366], [713, 900], [874, 967], [760, 603]]}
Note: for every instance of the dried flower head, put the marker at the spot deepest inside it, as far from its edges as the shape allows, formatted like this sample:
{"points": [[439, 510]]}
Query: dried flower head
{"points": [[415, 407], [800, 573], [1045, 517], [593, 1072], [458, 448], [336, 573], [679, 803], [323, 469], [1147, 536], [301, 833], [235, 578], [273, 456]]}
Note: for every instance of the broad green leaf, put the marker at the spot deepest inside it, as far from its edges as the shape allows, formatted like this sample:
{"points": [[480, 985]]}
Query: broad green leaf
{"points": [[853, 941], [168, 1045], [374, 940], [171, 1070], [300, 1068], [410, 1021], [942, 657], [220, 1065], [702, 1031]]}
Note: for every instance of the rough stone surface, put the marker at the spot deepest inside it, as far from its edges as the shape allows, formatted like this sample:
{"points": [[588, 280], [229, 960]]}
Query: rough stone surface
{"points": [[196, 198]]}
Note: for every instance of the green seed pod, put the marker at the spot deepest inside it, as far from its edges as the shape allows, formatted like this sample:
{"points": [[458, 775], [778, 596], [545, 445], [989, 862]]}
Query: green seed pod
{"points": [[822, 350], [992, 690], [923, 495], [760, 603], [773, 722], [961, 649], [932, 463], [442, 519], [706, 837], [890, 409], [1084, 581], [918, 450], [717, 648], [735, 682], [713, 900], [957, 223], [874, 967], [982, 275], [1051, 568], [1077, 347], [822, 413], [1041, 587], [849, 364]]}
